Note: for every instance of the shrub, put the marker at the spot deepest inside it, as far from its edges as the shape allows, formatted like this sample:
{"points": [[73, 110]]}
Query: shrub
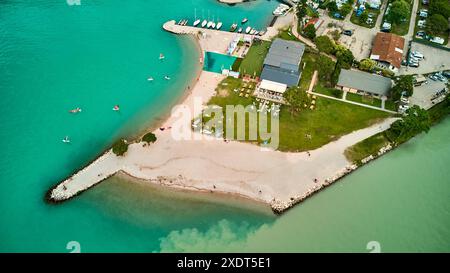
{"points": [[120, 147], [149, 137]]}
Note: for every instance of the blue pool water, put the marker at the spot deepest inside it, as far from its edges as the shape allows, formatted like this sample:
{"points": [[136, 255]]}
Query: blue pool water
{"points": [[215, 62]]}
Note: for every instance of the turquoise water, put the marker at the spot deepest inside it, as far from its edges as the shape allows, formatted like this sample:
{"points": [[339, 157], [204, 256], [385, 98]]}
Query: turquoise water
{"points": [[54, 57], [215, 62]]}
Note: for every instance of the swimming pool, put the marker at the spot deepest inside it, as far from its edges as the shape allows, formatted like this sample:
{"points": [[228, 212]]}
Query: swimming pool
{"points": [[215, 62]]}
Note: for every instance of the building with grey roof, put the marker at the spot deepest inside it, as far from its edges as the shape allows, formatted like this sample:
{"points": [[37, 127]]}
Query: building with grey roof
{"points": [[364, 83], [282, 62]]}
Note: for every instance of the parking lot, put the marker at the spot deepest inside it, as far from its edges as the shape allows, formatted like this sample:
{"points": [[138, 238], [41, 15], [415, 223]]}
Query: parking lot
{"points": [[360, 42], [422, 94], [435, 59]]}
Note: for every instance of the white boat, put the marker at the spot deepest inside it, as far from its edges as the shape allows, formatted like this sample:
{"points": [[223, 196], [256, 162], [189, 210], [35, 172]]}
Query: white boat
{"points": [[161, 56], [252, 31], [150, 79], [197, 21], [209, 24], [167, 77], [213, 25], [280, 10], [256, 32], [233, 27], [116, 108], [66, 140], [219, 25], [240, 30], [76, 110], [244, 20], [248, 29], [204, 22]]}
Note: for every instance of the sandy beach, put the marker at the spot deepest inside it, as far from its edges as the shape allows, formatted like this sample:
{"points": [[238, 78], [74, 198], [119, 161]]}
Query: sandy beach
{"points": [[213, 165]]}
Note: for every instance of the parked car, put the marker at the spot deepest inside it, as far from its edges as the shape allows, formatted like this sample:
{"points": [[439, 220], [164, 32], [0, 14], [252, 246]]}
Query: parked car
{"points": [[348, 32], [437, 40], [404, 100], [386, 27], [417, 54], [446, 74], [413, 64], [369, 21], [433, 77], [425, 2]]}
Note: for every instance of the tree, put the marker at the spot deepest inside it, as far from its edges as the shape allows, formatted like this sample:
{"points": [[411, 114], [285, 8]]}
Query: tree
{"points": [[344, 56], [399, 11], [326, 68], [441, 7], [367, 65], [120, 147], [403, 85], [346, 9], [417, 120], [324, 44], [437, 24], [149, 137], [296, 99], [332, 7], [364, 16], [310, 31]]}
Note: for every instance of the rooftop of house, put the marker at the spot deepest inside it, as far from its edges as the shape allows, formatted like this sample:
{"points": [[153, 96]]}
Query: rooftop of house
{"points": [[359, 80], [388, 47]]}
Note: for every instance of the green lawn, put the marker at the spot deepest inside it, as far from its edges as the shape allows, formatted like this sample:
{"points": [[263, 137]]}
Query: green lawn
{"points": [[355, 19], [319, 88], [308, 65], [363, 99], [253, 61], [286, 34], [330, 120], [390, 105], [369, 146]]}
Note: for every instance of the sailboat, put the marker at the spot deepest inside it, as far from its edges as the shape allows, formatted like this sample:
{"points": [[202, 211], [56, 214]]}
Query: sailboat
{"points": [[213, 25], [66, 139], [204, 22], [219, 24], [197, 21]]}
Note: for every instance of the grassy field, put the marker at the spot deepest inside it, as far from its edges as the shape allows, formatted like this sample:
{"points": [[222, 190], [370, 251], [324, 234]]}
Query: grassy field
{"points": [[308, 66], [369, 146], [363, 99], [355, 19], [253, 61], [286, 34], [330, 120], [390, 105], [319, 88]]}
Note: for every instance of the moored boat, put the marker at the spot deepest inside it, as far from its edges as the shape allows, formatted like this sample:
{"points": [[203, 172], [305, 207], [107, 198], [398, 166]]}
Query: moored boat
{"points": [[76, 110], [233, 27], [219, 25], [240, 30], [209, 24], [248, 29], [196, 22], [252, 31], [244, 20], [204, 23]]}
